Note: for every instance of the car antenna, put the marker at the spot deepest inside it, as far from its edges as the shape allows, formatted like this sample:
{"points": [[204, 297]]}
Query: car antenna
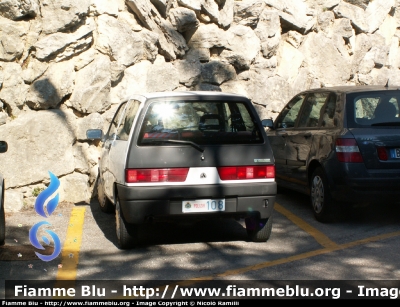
{"points": [[387, 84]]}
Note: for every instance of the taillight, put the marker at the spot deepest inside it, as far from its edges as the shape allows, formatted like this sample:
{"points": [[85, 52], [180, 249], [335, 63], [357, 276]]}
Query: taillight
{"points": [[382, 153], [156, 175], [246, 172], [347, 151]]}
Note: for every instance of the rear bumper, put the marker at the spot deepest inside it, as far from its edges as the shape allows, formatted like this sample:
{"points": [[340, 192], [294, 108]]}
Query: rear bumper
{"points": [[360, 185], [367, 191], [139, 204]]}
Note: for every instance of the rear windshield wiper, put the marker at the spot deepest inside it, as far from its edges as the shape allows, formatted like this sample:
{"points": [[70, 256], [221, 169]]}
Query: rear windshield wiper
{"points": [[387, 124], [176, 142]]}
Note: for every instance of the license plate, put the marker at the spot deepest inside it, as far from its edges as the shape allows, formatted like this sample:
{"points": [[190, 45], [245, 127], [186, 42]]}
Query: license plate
{"points": [[203, 205], [395, 153]]}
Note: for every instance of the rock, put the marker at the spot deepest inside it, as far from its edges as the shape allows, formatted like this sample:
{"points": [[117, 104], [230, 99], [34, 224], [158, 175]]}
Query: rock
{"points": [[268, 26], [189, 71], [290, 60], [194, 5], [294, 38], [100, 7], [3, 118], [354, 13], [161, 6], [86, 159], [226, 14], [75, 188], [60, 15], [388, 28], [83, 59], [208, 36], [161, 77], [18, 9], [49, 90], [394, 55], [295, 15], [13, 201], [11, 43], [61, 46], [217, 73], [376, 12], [210, 8], [37, 142], [323, 59], [120, 43], [248, 13], [13, 89], [134, 81], [172, 43], [93, 83], [33, 70], [183, 19], [92, 121], [235, 53]]}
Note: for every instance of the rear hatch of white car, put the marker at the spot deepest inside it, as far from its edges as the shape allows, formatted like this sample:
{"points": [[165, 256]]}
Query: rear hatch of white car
{"points": [[193, 132]]}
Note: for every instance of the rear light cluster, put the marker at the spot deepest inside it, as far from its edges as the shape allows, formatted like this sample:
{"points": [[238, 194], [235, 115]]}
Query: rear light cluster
{"points": [[156, 175], [382, 153], [246, 172], [347, 151], [180, 174]]}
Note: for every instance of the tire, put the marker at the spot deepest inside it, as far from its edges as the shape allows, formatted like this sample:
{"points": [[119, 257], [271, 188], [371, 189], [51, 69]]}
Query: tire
{"points": [[258, 230], [105, 204], [126, 233], [2, 221], [324, 208]]}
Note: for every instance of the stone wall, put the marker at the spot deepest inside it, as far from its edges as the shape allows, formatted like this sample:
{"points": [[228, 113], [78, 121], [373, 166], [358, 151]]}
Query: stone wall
{"points": [[65, 65]]}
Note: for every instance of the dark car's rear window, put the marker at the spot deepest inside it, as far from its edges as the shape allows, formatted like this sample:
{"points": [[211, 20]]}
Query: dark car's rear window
{"points": [[201, 122], [369, 109]]}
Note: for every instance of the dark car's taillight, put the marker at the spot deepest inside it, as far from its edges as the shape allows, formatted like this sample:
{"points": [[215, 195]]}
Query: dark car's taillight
{"points": [[156, 175], [246, 172], [347, 151], [382, 153]]}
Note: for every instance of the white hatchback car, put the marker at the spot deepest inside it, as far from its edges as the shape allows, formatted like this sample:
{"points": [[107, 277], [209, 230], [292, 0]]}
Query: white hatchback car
{"points": [[186, 155]]}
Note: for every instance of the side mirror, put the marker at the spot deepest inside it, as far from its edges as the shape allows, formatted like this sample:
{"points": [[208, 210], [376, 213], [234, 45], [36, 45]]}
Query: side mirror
{"points": [[94, 134], [267, 123], [3, 146]]}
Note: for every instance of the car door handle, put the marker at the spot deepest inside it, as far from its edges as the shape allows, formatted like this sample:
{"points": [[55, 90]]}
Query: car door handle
{"points": [[307, 135], [283, 134]]}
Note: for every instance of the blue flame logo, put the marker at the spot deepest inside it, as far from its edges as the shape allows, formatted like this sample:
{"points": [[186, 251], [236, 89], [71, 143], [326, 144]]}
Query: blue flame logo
{"points": [[40, 206]]}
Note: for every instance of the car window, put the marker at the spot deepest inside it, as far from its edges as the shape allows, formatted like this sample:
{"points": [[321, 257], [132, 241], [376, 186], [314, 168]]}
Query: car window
{"points": [[311, 111], [375, 108], [328, 112], [202, 122], [121, 124], [127, 119], [289, 114]]}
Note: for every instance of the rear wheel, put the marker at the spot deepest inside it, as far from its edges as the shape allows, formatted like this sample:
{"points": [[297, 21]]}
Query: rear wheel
{"points": [[258, 230], [105, 204], [2, 221], [126, 233], [324, 208]]}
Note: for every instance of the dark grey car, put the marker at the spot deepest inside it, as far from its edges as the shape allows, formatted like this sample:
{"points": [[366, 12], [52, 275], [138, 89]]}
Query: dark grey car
{"points": [[3, 148], [341, 145], [184, 156]]}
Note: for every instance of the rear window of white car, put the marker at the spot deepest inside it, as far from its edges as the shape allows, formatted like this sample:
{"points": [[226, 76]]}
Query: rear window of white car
{"points": [[201, 122]]}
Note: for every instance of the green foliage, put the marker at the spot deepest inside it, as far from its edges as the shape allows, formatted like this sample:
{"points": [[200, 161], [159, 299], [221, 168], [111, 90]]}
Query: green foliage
{"points": [[36, 191]]}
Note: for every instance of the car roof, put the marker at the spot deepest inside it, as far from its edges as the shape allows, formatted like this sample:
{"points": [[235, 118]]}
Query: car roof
{"points": [[346, 89], [183, 94]]}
